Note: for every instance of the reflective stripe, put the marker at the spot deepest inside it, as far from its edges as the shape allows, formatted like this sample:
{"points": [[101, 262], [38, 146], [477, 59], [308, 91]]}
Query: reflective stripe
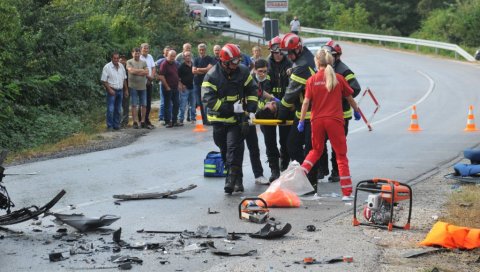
{"points": [[210, 171], [232, 98], [252, 98], [210, 166], [261, 105], [345, 177], [348, 114], [250, 78], [312, 71], [284, 103], [208, 84], [277, 90], [230, 120], [217, 105], [346, 186], [268, 77], [349, 77], [298, 79], [299, 114], [309, 162]]}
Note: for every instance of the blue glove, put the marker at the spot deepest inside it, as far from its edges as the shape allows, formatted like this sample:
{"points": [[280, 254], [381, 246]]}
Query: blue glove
{"points": [[301, 126], [276, 100], [357, 115]]}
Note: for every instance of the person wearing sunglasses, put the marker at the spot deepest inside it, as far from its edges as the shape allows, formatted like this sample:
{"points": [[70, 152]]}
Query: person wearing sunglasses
{"points": [[230, 94], [299, 143]]}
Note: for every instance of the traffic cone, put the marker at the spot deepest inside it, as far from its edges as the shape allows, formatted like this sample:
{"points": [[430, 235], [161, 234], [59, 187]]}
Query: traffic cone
{"points": [[470, 120], [414, 120], [199, 122]]}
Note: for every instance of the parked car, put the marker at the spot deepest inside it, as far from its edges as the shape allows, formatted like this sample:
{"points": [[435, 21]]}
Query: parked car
{"points": [[215, 15], [313, 44]]}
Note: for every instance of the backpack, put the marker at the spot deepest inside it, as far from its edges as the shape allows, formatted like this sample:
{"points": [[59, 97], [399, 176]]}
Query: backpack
{"points": [[213, 165]]}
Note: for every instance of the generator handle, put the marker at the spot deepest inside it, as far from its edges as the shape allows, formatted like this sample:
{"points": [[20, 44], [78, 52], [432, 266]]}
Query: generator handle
{"points": [[249, 199]]}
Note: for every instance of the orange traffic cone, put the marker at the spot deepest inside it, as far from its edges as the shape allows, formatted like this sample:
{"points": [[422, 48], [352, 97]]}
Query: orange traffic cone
{"points": [[199, 122], [470, 120], [414, 120]]}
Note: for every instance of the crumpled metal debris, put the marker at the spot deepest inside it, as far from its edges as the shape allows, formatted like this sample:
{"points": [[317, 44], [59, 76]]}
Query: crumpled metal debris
{"points": [[270, 231]]}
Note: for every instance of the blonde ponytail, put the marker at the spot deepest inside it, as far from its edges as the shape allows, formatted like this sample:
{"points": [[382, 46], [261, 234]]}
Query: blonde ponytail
{"points": [[324, 60]]}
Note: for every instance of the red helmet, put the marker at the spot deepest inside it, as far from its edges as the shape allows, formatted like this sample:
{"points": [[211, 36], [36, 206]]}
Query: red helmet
{"points": [[229, 52], [333, 47], [274, 44], [290, 42]]}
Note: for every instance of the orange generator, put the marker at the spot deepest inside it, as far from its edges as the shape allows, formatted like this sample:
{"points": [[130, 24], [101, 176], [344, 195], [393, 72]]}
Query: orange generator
{"points": [[384, 199]]}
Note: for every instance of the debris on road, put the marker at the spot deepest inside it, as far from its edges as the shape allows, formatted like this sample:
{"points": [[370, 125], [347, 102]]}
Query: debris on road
{"points": [[311, 228], [423, 251], [83, 223], [270, 231], [167, 194], [56, 257], [212, 212], [249, 210]]}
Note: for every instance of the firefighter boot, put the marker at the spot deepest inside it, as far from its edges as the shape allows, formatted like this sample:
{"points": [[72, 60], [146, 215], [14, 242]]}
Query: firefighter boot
{"points": [[229, 184], [285, 160], [236, 179], [238, 184], [274, 168]]}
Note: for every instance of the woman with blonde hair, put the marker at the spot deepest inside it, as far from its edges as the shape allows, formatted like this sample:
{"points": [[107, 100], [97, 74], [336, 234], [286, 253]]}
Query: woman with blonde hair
{"points": [[324, 92]]}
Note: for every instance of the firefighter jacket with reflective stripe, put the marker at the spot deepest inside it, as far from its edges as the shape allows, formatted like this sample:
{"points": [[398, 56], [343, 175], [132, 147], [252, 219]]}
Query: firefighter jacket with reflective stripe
{"points": [[342, 69], [278, 75], [222, 90], [263, 86], [302, 69]]}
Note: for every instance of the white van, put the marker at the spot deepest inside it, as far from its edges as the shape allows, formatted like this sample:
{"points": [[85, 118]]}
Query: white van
{"points": [[214, 15]]}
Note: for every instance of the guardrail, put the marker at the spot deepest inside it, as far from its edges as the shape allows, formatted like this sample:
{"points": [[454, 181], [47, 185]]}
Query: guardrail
{"points": [[400, 40], [235, 32]]}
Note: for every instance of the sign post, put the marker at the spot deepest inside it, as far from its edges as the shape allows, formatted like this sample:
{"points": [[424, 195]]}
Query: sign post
{"points": [[276, 5]]}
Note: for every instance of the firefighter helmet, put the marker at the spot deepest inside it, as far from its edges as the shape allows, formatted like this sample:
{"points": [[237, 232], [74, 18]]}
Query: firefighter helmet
{"points": [[274, 44], [333, 47], [290, 42], [230, 52]]}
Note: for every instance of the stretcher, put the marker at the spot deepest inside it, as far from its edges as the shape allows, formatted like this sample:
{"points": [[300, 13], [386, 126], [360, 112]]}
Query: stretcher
{"points": [[272, 122]]}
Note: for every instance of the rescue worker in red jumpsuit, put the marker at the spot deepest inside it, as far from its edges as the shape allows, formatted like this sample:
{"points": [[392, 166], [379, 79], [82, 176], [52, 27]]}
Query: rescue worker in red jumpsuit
{"points": [[340, 68], [324, 92], [299, 142], [231, 97]]}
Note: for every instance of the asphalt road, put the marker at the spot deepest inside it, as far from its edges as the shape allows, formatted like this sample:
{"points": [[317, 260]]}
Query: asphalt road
{"points": [[170, 158]]}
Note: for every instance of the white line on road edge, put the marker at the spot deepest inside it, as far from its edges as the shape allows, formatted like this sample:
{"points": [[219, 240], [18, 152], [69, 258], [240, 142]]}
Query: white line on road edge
{"points": [[111, 199], [430, 90]]}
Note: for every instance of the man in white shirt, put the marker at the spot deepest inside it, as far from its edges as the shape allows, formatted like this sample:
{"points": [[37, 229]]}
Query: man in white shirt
{"points": [[145, 56], [295, 25], [114, 80]]}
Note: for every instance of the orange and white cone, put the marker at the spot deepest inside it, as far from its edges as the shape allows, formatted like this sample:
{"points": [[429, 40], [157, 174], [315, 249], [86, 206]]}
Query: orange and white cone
{"points": [[199, 122], [470, 120], [414, 120]]}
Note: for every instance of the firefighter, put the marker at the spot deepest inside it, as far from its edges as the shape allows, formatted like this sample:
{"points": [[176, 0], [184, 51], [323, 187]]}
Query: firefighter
{"points": [[231, 98], [324, 92], [298, 143], [342, 69], [278, 65]]}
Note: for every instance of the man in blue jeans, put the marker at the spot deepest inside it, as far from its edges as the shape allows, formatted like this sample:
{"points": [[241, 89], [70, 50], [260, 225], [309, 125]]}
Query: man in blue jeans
{"points": [[168, 74], [114, 80], [201, 65], [186, 87]]}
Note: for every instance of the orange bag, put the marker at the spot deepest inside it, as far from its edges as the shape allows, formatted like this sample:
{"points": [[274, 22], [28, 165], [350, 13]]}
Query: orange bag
{"points": [[280, 197], [451, 236]]}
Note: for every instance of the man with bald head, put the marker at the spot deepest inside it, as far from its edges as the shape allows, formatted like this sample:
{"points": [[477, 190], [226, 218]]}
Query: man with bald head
{"points": [[186, 48], [168, 74]]}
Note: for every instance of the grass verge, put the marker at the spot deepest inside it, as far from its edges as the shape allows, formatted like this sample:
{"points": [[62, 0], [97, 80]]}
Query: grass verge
{"points": [[463, 207]]}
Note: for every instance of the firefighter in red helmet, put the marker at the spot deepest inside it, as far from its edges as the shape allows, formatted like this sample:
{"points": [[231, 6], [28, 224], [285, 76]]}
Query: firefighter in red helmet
{"points": [[231, 97], [298, 143]]}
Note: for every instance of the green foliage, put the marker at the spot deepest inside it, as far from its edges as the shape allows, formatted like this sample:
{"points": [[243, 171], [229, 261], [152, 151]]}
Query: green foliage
{"points": [[52, 54]]}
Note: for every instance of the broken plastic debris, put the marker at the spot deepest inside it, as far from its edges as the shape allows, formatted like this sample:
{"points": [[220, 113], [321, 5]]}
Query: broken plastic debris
{"points": [[270, 231], [83, 223], [56, 257]]}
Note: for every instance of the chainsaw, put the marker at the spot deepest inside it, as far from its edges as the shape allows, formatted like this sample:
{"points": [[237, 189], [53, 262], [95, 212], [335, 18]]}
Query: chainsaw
{"points": [[384, 203], [249, 210]]}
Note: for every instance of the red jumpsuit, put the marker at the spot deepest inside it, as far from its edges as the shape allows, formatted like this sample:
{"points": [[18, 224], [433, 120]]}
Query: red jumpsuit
{"points": [[327, 118]]}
